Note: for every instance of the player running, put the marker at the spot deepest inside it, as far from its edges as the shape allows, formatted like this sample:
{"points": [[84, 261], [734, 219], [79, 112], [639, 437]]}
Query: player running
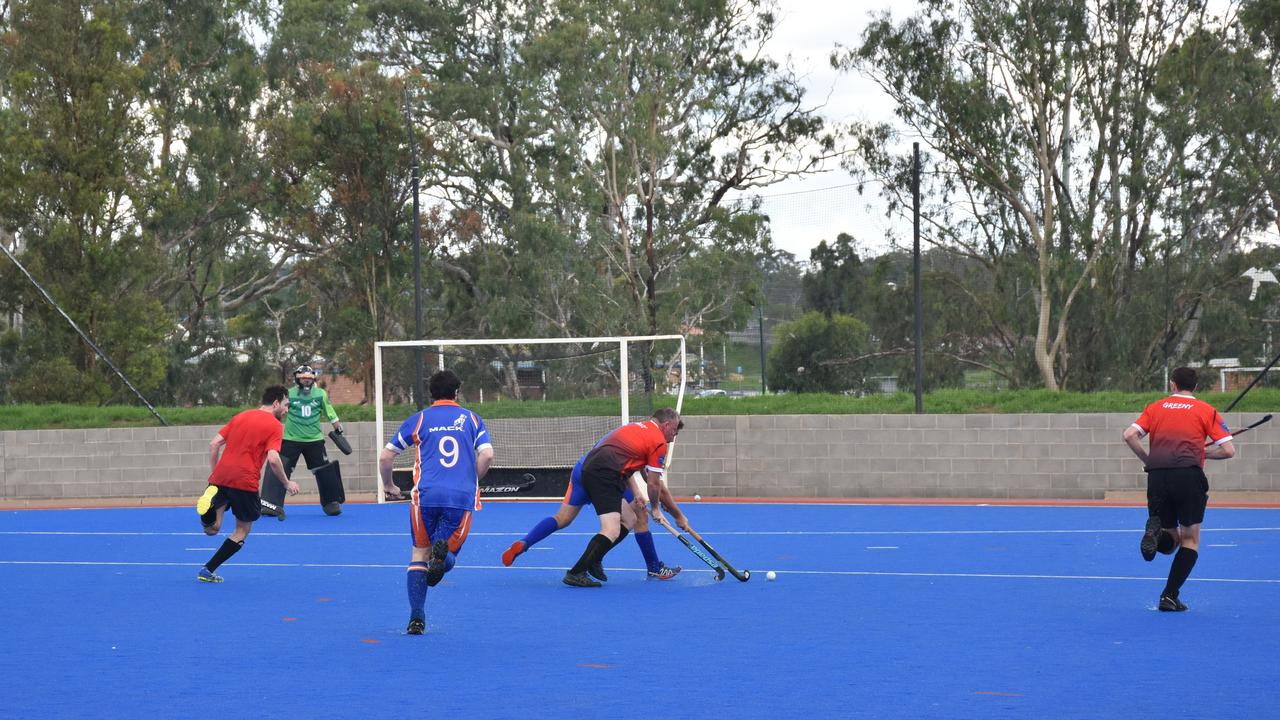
{"points": [[236, 455], [574, 498], [453, 453], [1177, 489]]}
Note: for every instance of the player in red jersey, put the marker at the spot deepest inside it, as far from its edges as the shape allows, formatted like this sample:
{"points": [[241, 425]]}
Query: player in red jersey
{"points": [[1177, 489], [236, 455], [606, 472]]}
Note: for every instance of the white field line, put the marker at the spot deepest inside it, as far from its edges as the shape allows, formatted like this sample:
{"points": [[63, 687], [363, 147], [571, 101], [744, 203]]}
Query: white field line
{"points": [[761, 533], [835, 573]]}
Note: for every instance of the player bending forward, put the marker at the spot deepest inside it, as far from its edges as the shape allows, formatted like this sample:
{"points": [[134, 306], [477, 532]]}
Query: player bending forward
{"points": [[236, 455], [454, 452], [608, 470], [574, 499]]}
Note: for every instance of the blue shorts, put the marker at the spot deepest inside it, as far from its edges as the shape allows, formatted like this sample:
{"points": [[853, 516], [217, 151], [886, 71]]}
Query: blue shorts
{"points": [[577, 495], [430, 523]]}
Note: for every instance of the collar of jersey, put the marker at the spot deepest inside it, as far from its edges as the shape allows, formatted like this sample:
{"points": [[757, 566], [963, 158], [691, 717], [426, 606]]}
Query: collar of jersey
{"points": [[445, 402]]}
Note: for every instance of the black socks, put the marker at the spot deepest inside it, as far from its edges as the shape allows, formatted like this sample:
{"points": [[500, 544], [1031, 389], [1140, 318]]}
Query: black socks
{"points": [[229, 547], [1180, 570], [599, 545]]}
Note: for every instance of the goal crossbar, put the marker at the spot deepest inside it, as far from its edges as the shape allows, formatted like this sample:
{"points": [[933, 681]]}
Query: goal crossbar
{"points": [[622, 343]]}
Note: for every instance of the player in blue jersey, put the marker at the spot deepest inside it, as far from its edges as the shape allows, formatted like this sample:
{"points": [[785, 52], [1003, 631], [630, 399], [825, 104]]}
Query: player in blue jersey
{"points": [[574, 499], [453, 453]]}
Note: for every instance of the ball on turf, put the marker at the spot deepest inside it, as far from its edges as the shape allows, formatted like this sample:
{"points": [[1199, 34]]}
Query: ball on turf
{"points": [[697, 498], [771, 575]]}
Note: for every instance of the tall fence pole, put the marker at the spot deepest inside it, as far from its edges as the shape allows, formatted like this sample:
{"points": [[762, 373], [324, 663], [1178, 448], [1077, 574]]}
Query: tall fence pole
{"points": [[418, 395], [915, 269], [764, 388]]}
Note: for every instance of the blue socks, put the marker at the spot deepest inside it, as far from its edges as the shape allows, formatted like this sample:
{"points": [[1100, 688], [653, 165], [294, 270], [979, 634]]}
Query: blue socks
{"points": [[645, 541], [545, 527], [417, 582]]}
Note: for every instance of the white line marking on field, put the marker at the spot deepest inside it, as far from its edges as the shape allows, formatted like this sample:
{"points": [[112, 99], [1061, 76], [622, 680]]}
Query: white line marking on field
{"points": [[882, 547], [1223, 545], [560, 569], [755, 533]]}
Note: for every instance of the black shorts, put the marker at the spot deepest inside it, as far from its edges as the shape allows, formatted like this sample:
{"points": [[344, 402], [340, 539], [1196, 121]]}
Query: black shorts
{"points": [[313, 452], [243, 503], [1178, 495], [604, 486]]}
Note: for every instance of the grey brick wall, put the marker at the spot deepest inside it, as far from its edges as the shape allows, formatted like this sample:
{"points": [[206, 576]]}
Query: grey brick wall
{"points": [[998, 456]]}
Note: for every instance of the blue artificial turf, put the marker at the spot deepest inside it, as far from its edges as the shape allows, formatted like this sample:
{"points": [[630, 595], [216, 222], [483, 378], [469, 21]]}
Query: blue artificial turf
{"points": [[878, 612]]}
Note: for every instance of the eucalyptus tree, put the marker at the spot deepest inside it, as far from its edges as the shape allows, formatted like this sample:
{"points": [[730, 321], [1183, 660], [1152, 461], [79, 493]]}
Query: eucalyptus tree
{"points": [[679, 109], [76, 152], [334, 141], [1050, 159]]}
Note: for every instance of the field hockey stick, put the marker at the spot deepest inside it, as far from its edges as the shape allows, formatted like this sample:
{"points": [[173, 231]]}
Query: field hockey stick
{"points": [[510, 488], [1243, 430], [1249, 387], [743, 575], [693, 548]]}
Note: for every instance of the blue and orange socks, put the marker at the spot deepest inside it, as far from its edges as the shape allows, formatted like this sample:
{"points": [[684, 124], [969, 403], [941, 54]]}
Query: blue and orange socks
{"points": [[545, 527], [417, 582]]}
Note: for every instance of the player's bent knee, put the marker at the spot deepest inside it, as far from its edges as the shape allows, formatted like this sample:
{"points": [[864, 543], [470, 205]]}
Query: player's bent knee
{"points": [[212, 529], [566, 515]]}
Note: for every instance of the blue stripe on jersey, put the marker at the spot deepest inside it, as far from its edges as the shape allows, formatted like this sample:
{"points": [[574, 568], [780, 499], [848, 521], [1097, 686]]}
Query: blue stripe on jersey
{"points": [[447, 437]]}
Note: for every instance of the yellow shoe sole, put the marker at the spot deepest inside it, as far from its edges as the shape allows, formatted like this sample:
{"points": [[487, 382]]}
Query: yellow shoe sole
{"points": [[206, 500]]}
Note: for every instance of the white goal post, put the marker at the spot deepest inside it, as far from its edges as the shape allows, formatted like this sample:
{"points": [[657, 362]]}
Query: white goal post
{"points": [[507, 365]]}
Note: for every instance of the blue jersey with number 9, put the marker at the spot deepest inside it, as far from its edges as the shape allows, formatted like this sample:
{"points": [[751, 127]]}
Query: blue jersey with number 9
{"points": [[447, 437]]}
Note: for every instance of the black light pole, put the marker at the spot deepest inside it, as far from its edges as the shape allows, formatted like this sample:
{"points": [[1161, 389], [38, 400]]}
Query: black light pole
{"points": [[915, 213], [417, 260], [763, 387]]}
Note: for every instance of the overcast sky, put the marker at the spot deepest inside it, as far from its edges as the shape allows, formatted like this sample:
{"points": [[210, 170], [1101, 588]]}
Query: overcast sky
{"points": [[803, 212]]}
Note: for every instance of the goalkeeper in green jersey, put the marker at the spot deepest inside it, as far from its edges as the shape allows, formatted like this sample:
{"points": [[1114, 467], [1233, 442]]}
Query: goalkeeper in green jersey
{"points": [[303, 436]]}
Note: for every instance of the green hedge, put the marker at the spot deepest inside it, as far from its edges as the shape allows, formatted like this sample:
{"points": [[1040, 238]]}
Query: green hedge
{"points": [[36, 417]]}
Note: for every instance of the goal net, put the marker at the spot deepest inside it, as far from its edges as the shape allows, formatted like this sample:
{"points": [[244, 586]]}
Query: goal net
{"points": [[545, 401]]}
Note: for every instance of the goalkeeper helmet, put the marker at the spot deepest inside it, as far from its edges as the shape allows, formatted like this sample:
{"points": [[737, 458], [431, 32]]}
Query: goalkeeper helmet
{"points": [[303, 371]]}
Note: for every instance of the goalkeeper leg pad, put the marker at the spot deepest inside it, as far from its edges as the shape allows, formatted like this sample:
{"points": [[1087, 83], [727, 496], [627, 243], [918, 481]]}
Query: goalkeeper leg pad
{"points": [[271, 497], [329, 481]]}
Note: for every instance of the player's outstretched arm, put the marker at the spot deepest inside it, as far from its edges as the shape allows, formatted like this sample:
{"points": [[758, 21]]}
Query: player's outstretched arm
{"points": [[669, 502], [484, 459], [277, 467], [215, 450], [386, 459], [1225, 451], [654, 482]]}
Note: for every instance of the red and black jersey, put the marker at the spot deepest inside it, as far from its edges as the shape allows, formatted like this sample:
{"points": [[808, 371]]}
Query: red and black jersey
{"points": [[1178, 426], [250, 435], [634, 446]]}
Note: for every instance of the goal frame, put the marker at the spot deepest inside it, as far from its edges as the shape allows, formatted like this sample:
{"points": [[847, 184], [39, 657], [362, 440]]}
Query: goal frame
{"points": [[623, 341]]}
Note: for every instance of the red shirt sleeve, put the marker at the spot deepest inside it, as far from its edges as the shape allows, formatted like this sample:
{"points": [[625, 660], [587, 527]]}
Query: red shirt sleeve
{"points": [[1144, 420], [1218, 429], [658, 455]]}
